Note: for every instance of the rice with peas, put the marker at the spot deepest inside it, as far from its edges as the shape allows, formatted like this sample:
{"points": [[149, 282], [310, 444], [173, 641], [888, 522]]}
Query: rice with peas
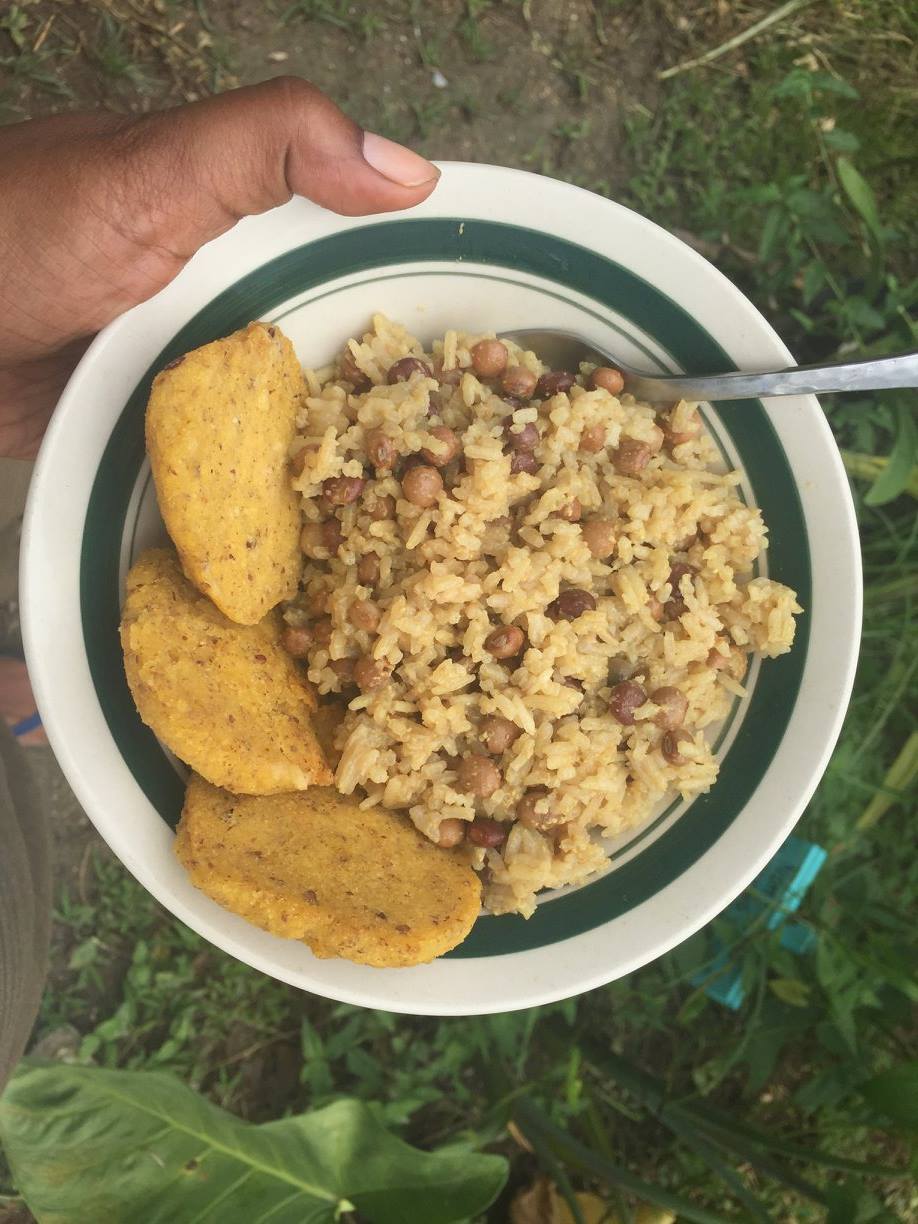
{"points": [[532, 593]]}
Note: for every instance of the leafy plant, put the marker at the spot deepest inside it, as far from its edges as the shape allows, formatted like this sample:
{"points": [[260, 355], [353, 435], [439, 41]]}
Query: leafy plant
{"points": [[86, 1144], [469, 28], [725, 1143], [807, 239]]}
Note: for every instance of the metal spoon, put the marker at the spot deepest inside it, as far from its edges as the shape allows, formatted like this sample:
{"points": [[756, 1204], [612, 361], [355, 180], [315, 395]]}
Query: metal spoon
{"points": [[564, 351]]}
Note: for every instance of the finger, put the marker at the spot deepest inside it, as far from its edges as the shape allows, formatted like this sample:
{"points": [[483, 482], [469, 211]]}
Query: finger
{"points": [[202, 167], [28, 393]]}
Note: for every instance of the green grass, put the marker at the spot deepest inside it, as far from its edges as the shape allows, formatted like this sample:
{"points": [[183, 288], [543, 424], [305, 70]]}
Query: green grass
{"points": [[794, 163], [342, 14]]}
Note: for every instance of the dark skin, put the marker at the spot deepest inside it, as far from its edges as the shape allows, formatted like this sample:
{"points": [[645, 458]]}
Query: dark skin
{"points": [[98, 212]]}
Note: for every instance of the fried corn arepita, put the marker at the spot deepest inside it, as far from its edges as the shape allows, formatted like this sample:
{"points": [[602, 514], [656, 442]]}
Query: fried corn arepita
{"points": [[363, 885], [219, 425], [226, 698]]}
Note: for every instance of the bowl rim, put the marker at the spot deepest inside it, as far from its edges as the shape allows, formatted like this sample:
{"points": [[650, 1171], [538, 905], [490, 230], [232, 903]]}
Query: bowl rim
{"points": [[463, 179]]}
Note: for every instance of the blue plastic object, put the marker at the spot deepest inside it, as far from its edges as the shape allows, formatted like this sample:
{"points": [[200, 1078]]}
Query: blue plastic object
{"points": [[781, 887]]}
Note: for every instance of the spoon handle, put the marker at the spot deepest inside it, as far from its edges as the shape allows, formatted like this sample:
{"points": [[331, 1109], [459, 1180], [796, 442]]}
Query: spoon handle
{"points": [[869, 375]]}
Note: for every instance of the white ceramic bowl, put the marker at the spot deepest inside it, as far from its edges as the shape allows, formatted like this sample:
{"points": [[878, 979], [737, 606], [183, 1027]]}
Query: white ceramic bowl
{"points": [[492, 248]]}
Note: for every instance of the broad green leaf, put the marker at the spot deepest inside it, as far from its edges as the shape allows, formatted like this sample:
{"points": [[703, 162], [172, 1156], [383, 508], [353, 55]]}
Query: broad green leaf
{"points": [[805, 322], [86, 953], [771, 232], [861, 314], [860, 193], [895, 475], [121, 1146], [791, 990], [894, 1093], [829, 1086], [813, 280], [844, 1201], [841, 141], [802, 83]]}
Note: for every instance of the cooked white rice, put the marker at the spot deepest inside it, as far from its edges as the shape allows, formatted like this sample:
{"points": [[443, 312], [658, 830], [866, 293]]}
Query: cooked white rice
{"points": [[492, 551]]}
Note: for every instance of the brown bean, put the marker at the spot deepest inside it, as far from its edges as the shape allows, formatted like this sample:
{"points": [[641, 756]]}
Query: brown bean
{"points": [[725, 656], [631, 457], [573, 683], [525, 438], [332, 534], [298, 462], [405, 367], [505, 642], [678, 570], [489, 358], [381, 450], [456, 654], [498, 733], [296, 640], [571, 512], [343, 669], [552, 383], [593, 439], [321, 630], [523, 461], [311, 541], [526, 812], [673, 706], [352, 373], [570, 604], [343, 490], [368, 569], [675, 606], [381, 507], [607, 378], [488, 833], [451, 832], [620, 668], [519, 382], [446, 378], [624, 700], [447, 452], [676, 437], [370, 673], [477, 775], [411, 461], [422, 486], [600, 538], [365, 615], [719, 654], [670, 744], [319, 540]]}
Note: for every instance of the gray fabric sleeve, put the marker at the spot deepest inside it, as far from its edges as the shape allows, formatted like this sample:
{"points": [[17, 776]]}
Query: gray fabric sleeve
{"points": [[25, 901]]}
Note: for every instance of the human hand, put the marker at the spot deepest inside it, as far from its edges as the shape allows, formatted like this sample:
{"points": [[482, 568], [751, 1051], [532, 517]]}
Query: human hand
{"points": [[99, 211]]}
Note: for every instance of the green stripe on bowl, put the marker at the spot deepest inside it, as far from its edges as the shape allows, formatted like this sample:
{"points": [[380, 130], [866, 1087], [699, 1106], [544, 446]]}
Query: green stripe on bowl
{"points": [[610, 285]]}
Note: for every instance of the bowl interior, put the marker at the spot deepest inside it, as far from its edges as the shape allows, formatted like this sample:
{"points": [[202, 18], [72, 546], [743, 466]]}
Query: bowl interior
{"points": [[503, 277]]}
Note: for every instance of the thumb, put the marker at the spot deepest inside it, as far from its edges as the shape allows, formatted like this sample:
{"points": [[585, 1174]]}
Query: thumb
{"points": [[212, 162]]}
